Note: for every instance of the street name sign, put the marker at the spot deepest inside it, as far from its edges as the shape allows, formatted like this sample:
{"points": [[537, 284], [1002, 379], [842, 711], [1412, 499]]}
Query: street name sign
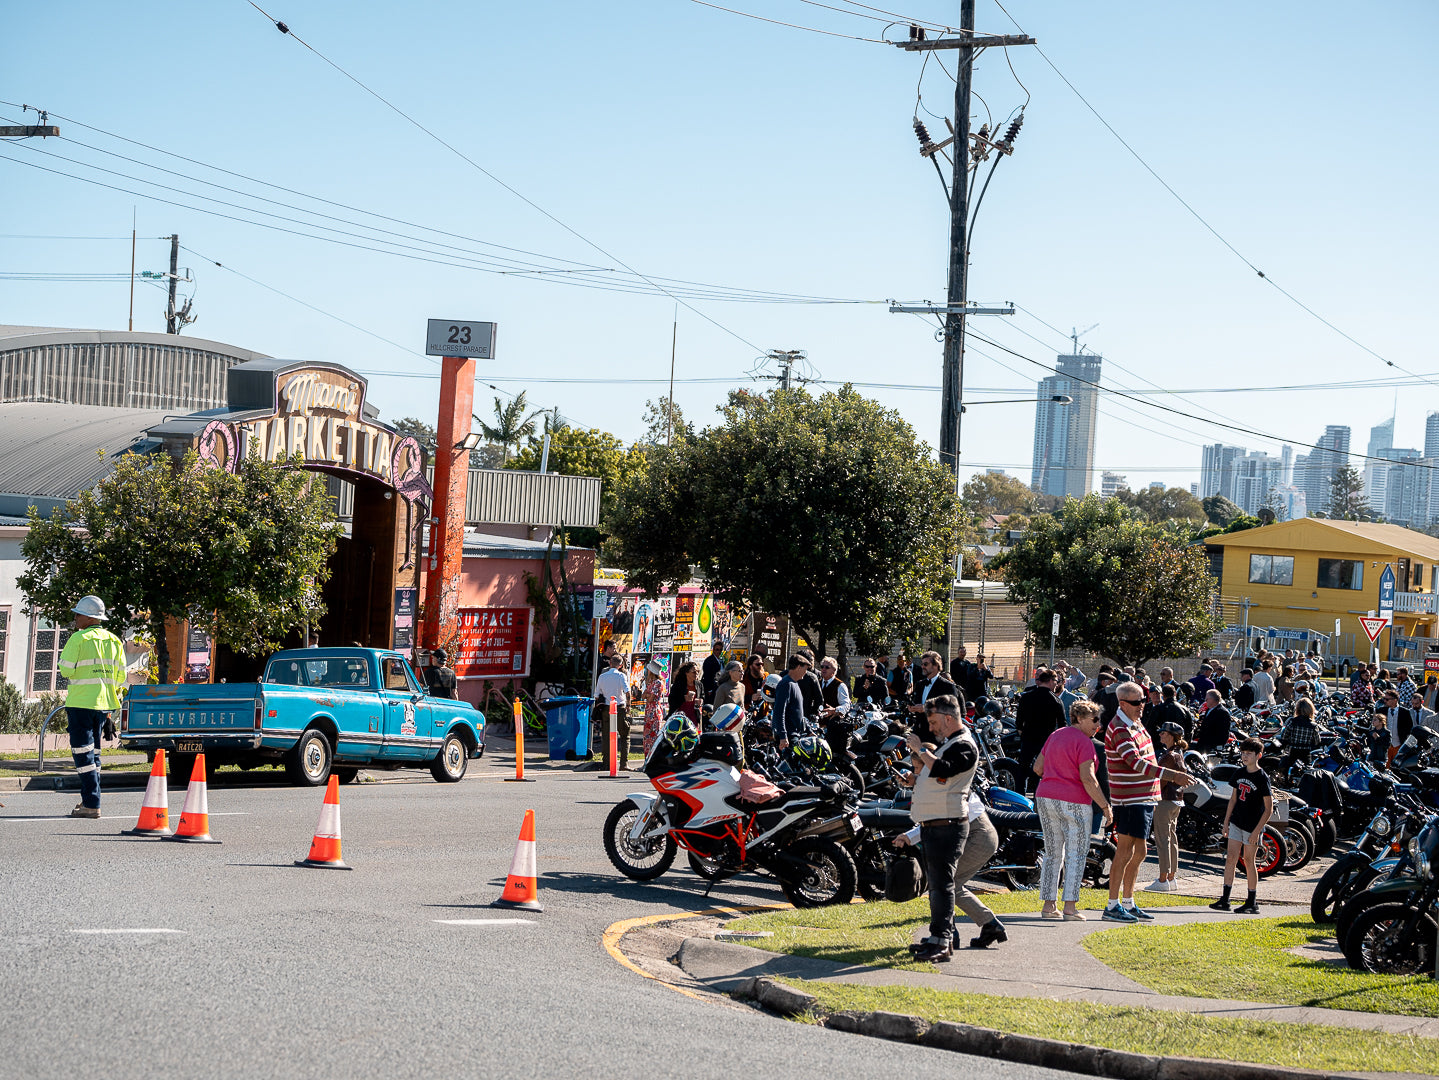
{"points": [[456, 337]]}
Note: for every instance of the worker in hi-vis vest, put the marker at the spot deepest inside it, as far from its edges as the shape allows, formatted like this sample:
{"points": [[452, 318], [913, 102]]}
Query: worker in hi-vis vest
{"points": [[93, 662]]}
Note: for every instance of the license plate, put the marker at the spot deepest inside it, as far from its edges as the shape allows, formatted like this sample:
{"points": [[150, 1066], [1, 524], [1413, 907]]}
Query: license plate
{"points": [[189, 748], [855, 823]]}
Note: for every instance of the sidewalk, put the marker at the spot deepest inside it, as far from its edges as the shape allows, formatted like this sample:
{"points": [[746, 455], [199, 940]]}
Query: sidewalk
{"points": [[1041, 959]]}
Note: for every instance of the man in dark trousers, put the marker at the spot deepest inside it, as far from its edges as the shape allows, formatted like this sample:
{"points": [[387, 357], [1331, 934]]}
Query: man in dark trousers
{"points": [[1037, 716], [932, 684], [710, 672], [811, 694], [1214, 724]]}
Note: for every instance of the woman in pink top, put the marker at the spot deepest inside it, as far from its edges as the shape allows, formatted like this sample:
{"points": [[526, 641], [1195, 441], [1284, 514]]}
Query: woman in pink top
{"points": [[1067, 787]]}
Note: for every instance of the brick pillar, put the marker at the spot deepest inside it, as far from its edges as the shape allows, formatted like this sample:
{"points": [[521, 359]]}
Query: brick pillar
{"points": [[447, 522]]}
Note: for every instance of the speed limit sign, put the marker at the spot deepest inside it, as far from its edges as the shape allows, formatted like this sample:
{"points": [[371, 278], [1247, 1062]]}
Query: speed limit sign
{"points": [[455, 337]]}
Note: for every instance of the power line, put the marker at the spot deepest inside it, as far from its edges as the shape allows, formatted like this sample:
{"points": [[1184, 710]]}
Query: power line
{"points": [[1268, 436], [780, 22], [1199, 217], [513, 191]]}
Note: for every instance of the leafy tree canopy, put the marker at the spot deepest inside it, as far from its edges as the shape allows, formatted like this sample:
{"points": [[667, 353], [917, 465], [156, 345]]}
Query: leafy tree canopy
{"points": [[1123, 587], [665, 423], [514, 423], [827, 509], [244, 554], [1347, 501], [1163, 504], [1219, 510], [995, 493]]}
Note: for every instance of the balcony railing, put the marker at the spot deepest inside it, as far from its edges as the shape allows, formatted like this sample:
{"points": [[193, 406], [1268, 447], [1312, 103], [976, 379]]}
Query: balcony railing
{"points": [[1416, 603]]}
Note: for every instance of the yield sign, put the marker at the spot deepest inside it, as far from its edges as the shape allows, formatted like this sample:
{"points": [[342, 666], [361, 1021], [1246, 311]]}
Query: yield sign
{"points": [[1372, 626]]}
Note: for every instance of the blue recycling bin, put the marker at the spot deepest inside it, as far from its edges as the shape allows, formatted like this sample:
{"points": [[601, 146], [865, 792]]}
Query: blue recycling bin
{"points": [[567, 721]]}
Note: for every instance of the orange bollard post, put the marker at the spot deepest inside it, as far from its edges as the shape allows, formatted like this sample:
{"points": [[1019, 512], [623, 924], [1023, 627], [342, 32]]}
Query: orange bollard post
{"points": [[519, 776]]}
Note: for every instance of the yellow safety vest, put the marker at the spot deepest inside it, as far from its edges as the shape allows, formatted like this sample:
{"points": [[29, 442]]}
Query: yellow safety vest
{"points": [[93, 662]]}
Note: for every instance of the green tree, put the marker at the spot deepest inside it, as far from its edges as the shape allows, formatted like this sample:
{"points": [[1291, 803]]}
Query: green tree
{"points": [[513, 424], [665, 423], [1219, 510], [1347, 501], [827, 509], [488, 456], [1123, 587], [585, 452], [995, 493], [1163, 504], [244, 554]]}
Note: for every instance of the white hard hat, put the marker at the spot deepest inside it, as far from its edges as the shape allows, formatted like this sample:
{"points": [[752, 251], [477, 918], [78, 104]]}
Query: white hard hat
{"points": [[91, 607]]}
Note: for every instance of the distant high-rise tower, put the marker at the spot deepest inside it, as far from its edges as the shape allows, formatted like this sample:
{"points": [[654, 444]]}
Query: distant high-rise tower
{"points": [[1331, 456], [1217, 470], [1286, 460], [1111, 482], [1376, 467], [1431, 435], [1381, 436], [1063, 461]]}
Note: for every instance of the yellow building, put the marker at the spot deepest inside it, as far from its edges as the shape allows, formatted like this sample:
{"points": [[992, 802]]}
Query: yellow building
{"points": [[1309, 572]]}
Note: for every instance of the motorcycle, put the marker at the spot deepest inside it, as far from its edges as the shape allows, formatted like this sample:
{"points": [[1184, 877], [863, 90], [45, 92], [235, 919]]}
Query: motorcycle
{"points": [[1396, 934], [697, 805]]}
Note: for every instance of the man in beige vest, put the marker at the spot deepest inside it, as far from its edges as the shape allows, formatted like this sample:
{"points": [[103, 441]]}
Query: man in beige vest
{"points": [[941, 810]]}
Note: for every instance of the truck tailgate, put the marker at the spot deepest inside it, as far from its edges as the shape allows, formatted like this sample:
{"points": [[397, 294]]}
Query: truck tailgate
{"points": [[189, 710]]}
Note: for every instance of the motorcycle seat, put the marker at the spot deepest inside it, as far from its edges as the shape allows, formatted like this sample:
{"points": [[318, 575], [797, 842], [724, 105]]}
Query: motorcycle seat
{"points": [[1014, 819]]}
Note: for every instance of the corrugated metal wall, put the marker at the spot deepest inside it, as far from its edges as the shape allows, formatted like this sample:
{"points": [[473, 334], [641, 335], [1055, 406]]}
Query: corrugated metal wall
{"points": [[127, 375], [513, 497]]}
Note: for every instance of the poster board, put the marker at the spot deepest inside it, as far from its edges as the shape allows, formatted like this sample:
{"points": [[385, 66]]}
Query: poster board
{"points": [[494, 643]]}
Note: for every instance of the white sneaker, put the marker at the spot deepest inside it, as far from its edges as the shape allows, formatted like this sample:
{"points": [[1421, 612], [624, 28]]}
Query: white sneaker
{"points": [[1159, 886]]}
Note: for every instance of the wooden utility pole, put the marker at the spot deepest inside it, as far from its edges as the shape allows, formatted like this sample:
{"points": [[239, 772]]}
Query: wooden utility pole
{"points": [[170, 316], [952, 382]]}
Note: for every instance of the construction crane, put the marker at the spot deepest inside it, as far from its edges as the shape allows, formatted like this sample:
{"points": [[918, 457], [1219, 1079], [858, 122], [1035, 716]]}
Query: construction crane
{"points": [[1075, 335]]}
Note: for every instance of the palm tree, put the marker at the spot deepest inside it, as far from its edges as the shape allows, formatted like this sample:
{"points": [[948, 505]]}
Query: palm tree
{"points": [[512, 426]]}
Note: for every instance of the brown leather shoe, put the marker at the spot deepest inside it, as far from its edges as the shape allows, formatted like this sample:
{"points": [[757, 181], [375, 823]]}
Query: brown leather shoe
{"points": [[85, 811]]}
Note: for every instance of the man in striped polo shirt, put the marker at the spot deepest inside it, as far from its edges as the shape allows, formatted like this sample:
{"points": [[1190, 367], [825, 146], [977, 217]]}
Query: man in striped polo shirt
{"points": [[1134, 778]]}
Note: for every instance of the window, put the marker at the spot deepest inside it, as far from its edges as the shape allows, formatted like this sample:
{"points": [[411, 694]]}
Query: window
{"points": [[1418, 576], [1340, 574], [4, 638], [45, 657], [396, 678], [1271, 569], [1401, 574]]}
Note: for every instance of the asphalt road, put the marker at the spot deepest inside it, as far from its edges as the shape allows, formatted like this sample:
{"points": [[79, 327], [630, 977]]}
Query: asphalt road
{"points": [[288, 972]]}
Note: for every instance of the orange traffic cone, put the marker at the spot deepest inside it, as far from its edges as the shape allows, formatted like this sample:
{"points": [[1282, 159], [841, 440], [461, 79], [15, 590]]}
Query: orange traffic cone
{"points": [[155, 808], [195, 817], [325, 848], [521, 887]]}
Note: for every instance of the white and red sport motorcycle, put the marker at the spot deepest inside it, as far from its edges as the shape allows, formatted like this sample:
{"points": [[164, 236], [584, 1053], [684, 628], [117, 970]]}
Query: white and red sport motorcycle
{"points": [[696, 805]]}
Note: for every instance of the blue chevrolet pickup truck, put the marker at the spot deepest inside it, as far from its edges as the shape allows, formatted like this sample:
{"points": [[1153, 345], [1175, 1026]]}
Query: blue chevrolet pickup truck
{"points": [[316, 711]]}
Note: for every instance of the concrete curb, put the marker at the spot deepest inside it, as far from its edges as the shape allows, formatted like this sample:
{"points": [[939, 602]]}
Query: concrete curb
{"points": [[69, 782], [1020, 1049]]}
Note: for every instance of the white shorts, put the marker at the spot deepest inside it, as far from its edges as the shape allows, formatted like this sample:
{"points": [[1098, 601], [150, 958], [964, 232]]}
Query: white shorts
{"points": [[1245, 838]]}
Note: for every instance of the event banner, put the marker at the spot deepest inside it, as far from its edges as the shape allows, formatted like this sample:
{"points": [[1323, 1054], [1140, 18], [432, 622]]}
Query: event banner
{"points": [[494, 643], [771, 635]]}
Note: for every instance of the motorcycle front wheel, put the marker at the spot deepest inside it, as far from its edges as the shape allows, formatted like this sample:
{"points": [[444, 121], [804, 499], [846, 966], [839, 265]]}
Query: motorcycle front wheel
{"points": [[1391, 939], [1269, 856], [828, 876], [642, 860], [1333, 889], [1298, 846]]}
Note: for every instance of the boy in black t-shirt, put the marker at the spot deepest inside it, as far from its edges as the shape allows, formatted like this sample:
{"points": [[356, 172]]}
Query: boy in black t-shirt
{"points": [[1250, 805]]}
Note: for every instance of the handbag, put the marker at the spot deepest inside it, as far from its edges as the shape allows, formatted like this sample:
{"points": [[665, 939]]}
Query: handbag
{"points": [[903, 877]]}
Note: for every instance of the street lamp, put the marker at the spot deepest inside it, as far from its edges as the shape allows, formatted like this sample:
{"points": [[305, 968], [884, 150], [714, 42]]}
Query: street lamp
{"points": [[1058, 399]]}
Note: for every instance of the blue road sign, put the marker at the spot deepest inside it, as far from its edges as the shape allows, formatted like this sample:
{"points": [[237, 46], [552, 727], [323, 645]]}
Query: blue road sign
{"points": [[1386, 592]]}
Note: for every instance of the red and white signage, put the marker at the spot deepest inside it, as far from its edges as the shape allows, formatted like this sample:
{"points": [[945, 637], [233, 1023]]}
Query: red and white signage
{"points": [[494, 643], [1373, 626]]}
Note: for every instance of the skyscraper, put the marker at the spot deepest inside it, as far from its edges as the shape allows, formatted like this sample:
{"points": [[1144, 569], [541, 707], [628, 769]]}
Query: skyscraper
{"points": [[1431, 435], [1381, 436], [1256, 475], [1217, 470], [1063, 461], [1376, 472], [1331, 455], [1286, 458], [1111, 482]]}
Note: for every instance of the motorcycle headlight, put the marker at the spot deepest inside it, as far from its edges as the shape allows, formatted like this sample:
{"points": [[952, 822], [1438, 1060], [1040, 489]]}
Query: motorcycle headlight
{"points": [[1381, 825]]}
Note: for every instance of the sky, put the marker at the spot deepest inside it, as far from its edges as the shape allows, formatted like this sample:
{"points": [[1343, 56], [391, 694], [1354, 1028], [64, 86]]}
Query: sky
{"points": [[686, 143]]}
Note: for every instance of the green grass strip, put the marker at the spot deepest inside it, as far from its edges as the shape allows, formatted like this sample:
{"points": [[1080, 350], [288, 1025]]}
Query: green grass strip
{"points": [[1246, 959], [878, 934], [1145, 1031]]}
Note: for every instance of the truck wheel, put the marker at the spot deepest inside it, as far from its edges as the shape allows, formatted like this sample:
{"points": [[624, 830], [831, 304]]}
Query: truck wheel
{"points": [[449, 765], [308, 764], [346, 773]]}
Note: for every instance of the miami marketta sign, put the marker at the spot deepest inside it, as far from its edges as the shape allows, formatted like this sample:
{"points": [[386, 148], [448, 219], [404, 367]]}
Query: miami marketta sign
{"points": [[494, 643], [319, 422]]}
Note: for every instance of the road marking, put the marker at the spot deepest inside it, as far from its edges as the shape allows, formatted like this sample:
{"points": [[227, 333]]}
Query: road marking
{"points": [[129, 930], [485, 922]]}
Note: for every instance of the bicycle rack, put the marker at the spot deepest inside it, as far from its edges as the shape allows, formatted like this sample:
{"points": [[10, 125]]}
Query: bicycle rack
{"points": [[44, 727]]}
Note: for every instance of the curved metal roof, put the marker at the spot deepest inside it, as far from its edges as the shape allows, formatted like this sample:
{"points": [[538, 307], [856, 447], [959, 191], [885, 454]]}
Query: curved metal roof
{"points": [[52, 451], [29, 337]]}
